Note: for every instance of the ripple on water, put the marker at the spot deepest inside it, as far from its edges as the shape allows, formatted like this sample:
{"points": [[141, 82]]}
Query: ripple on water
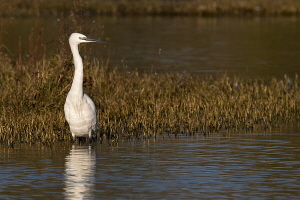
{"points": [[241, 166]]}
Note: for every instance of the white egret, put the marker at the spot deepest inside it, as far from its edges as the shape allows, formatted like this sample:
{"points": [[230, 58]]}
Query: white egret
{"points": [[80, 110]]}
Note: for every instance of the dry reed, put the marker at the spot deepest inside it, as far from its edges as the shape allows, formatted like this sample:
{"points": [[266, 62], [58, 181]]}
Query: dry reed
{"points": [[131, 104]]}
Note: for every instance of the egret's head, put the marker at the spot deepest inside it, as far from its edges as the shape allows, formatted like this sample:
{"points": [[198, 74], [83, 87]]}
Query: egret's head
{"points": [[77, 38]]}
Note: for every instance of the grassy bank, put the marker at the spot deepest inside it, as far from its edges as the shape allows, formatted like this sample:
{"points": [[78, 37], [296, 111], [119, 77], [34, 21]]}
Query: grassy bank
{"points": [[152, 7], [137, 105]]}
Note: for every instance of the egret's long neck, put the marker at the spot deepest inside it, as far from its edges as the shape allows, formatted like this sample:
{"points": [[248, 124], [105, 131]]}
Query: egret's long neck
{"points": [[78, 75]]}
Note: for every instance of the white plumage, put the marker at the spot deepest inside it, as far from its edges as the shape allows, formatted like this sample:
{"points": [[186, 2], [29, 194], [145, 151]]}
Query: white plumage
{"points": [[80, 110]]}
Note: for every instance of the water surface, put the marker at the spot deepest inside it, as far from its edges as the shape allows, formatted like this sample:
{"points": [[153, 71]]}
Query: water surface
{"points": [[260, 166], [262, 47]]}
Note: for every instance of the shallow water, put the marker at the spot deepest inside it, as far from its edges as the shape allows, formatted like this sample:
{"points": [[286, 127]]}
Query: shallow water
{"points": [[260, 166], [262, 47]]}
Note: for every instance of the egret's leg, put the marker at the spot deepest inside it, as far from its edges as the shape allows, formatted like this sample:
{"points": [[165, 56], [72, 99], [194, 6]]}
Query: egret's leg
{"points": [[74, 137], [90, 134]]}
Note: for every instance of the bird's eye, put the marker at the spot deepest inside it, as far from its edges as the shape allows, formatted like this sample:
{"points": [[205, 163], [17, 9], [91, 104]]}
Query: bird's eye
{"points": [[82, 38]]}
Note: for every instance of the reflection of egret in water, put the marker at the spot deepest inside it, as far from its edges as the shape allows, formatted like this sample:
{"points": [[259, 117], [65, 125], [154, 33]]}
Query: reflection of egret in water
{"points": [[79, 173]]}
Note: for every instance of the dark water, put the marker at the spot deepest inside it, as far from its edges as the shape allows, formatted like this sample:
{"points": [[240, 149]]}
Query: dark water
{"points": [[251, 166], [249, 46]]}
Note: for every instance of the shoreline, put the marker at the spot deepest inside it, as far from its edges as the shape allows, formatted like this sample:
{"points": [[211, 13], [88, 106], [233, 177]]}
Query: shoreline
{"points": [[204, 8]]}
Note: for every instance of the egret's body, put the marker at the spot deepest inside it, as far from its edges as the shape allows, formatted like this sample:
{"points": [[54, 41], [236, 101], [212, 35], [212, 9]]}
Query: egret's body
{"points": [[80, 110]]}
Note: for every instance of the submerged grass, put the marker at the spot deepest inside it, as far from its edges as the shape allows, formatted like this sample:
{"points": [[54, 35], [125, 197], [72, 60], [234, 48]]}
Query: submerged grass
{"points": [[152, 7], [130, 104]]}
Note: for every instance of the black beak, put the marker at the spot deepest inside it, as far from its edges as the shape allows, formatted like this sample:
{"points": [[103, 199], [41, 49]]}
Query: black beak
{"points": [[93, 40]]}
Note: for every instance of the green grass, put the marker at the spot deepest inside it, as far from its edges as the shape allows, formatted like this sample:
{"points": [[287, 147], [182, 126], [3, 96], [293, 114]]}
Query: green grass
{"points": [[152, 7], [134, 105]]}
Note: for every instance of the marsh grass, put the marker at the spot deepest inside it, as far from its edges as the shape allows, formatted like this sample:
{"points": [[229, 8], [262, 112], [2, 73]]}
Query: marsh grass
{"points": [[152, 7], [132, 104], [135, 105]]}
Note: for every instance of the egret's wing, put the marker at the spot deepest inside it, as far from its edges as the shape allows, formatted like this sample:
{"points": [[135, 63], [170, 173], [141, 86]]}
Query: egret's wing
{"points": [[67, 111], [90, 102], [89, 111]]}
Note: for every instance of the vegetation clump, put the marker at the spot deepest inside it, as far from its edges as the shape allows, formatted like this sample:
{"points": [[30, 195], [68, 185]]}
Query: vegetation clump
{"points": [[132, 104], [152, 7]]}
